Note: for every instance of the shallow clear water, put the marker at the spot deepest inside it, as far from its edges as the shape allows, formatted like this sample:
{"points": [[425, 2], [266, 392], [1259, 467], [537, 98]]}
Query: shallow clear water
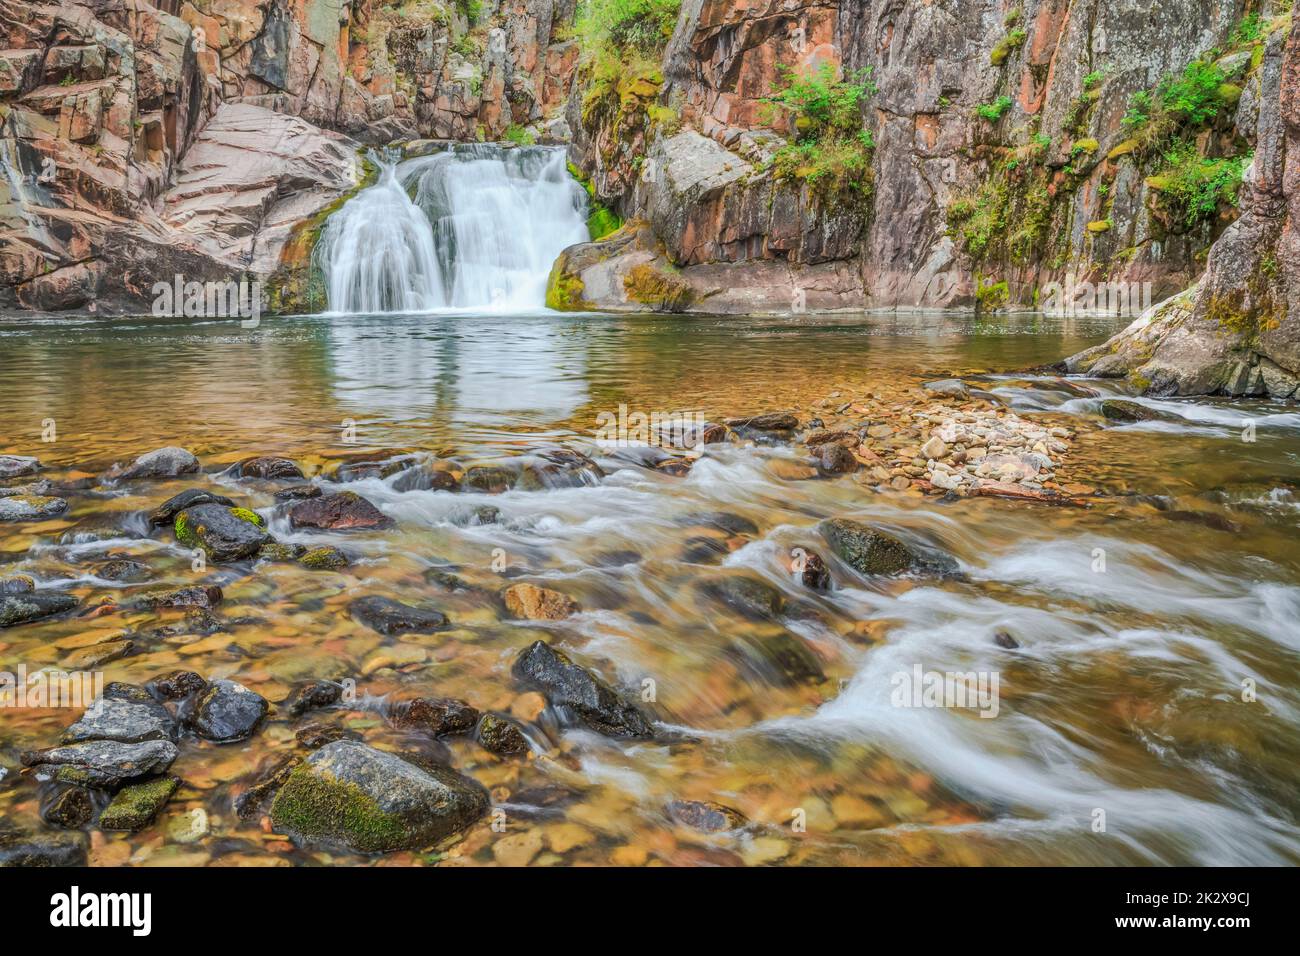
{"points": [[1124, 696]]}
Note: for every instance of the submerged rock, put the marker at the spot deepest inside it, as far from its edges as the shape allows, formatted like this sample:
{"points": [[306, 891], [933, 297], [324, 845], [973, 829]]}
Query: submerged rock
{"points": [[134, 807], [312, 696], [706, 816], [1118, 410], [17, 466], [227, 711], [30, 507], [363, 468], [342, 511], [832, 458], [490, 479], [539, 604], [165, 513], [126, 721], [326, 558], [748, 596], [266, 468], [177, 685], [391, 617], [437, 716], [948, 387], [769, 422], [574, 688], [104, 764], [780, 659], [224, 534], [195, 595], [299, 492], [18, 584], [19, 848], [24, 608], [169, 462], [374, 802], [872, 552], [121, 569]]}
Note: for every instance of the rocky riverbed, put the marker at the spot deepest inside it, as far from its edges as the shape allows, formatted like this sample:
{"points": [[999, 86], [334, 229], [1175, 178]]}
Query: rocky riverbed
{"points": [[517, 642]]}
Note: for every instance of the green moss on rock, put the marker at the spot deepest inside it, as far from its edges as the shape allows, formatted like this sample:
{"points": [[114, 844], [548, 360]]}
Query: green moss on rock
{"points": [[135, 807]]}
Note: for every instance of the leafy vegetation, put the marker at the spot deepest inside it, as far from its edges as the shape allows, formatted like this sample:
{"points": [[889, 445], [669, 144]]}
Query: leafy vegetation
{"points": [[995, 110], [620, 42], [1013, 41], [1178, 103], [1191, 187], [520, 135], [601, 220], [831, 149]]}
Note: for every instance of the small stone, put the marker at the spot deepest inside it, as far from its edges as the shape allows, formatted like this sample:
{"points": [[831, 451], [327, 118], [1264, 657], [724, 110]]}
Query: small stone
{"points": [[835, 459], [312, 696], [314, 736], [71, 809], [135, 807], [1004, 639], [814, 573], [437, 716], [327, 558], [21, 849], [177, 685], [103, 763], [539, 604], [934, 448], [770, 422], [267, 468], [121, 569], [126, 721], [489, 479], [705, 816], [517, 849], [948, 387], [500, 736], [96, 655]]}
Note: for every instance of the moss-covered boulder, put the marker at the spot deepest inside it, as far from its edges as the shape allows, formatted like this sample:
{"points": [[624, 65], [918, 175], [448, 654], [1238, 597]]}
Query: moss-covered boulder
{"points": [[224, 533], [327, 558], [627, 271], [135, 807], [868, 550], [374, 802]]}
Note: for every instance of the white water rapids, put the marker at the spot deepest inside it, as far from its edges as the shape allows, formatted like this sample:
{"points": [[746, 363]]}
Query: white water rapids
{"points": [[475, 227]]}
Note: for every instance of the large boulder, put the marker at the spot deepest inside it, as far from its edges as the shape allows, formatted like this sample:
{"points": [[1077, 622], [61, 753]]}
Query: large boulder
{"points": [[23, 608], [169, 462], [873, 552], [374, 802]]}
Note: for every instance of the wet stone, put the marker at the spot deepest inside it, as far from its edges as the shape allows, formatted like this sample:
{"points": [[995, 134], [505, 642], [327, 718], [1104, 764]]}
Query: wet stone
{"points": [[121, 569], [574, 688], [177, 685], [1005, 640], [227, 711], [867, 550], [198, 595], [19, 848], [539, 604], [71, 808], [748, 596], [267, 468], [1118, 410], [225, 534], [24, 608], [814, 573], [326, 558], [436, 716], [104, 764], [170, 462], [165, 514], [489, 479], [30, 507], [780, 659], [343, 511], [299, 492], [314, 735], [501, 736], [126, 721], [312, 696], [17, 466]]}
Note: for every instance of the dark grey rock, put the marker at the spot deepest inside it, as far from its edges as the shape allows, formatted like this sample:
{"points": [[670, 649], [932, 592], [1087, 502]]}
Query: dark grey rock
{"points": [[165, 514], [224, 534], [571, 687], [169, 462], [105, 764], [126, 721], [391, 617], [226, 711], [22, 608]]}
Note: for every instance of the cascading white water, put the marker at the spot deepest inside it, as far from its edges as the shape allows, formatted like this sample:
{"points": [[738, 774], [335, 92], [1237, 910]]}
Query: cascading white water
{"points": [[482, 231]]}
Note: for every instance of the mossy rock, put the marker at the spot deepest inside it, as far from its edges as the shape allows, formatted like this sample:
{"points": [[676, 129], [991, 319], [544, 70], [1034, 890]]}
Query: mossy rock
{"points": [[327, 558], [224, 533], [1088, 145], [564, 290], [657, 288], [1122, 149], [374, 802], [1229, 93], [135, 807], [1099, 226]]}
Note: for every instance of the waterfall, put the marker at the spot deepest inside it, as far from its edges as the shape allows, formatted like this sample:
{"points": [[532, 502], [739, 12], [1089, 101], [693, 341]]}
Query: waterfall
{"points": [[475, 227]]}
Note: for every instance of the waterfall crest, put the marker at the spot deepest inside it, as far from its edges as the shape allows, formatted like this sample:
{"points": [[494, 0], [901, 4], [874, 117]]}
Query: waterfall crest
{"points": [[475, 227]]}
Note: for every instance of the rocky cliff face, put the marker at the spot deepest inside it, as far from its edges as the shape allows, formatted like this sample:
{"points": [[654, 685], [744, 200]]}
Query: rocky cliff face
{"points": [[1004, 146]]}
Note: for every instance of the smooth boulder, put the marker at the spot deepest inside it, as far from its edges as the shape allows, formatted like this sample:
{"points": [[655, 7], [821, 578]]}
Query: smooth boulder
{"points": [[31, 507], [224, 534], [105, 764], [227, 711], [165, 513], [343, 511], [390, 617], [169, 462]]}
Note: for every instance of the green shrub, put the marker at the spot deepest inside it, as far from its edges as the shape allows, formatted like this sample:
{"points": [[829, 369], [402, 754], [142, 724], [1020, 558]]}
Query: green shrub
{"points": [[995, 110], [620, 42], [520, 135], [1191, 187], [1004, 47], [643, 25], [831, 149], [1177, 103]]}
